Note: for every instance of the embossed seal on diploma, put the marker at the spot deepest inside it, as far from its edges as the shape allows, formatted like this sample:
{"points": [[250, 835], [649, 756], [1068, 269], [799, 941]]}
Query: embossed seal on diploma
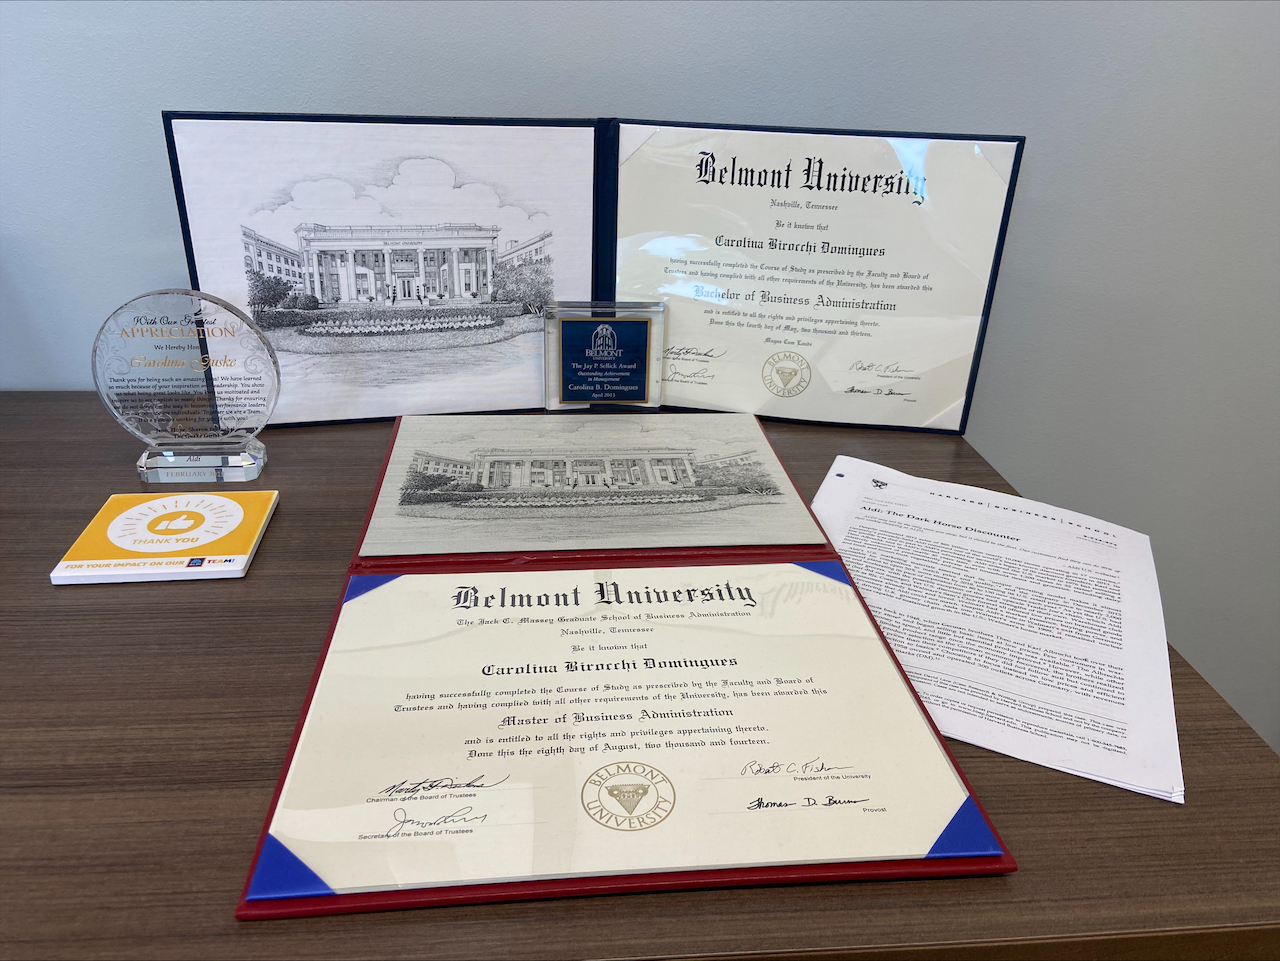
{"points": [[786, 373], [628, 796]]}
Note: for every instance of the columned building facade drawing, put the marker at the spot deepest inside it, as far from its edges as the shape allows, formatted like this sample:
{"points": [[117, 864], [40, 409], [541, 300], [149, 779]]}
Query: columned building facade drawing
{"points": [[394, 264], [588, 470]]}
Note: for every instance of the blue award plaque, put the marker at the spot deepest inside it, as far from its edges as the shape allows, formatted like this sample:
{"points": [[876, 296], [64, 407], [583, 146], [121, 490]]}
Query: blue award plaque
{"points": [[604, 361], [604, 354]]}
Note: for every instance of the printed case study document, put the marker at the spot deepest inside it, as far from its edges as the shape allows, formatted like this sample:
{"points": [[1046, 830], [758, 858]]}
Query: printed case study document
{"points": [[1026, 629]]}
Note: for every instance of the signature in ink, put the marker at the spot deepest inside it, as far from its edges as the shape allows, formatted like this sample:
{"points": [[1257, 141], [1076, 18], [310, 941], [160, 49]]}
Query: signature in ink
{"points": [[403, 822], [816, 766], [677, 376], [893, 368], [426, 785], [688, 353], [881, 391], [760, 804]]}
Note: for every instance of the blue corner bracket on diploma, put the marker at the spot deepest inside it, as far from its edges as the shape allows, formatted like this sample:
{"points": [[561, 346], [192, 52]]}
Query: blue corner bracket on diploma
{"points": [[281, 874], [364, 583], [967, 836], [832, 569]]}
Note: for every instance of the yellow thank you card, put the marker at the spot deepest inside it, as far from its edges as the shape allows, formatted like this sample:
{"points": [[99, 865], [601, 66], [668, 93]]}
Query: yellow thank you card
{"points": [[144, 537]]}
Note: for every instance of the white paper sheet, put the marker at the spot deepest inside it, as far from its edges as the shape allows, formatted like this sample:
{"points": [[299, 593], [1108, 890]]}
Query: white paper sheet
{"points": [[1026, 629]]}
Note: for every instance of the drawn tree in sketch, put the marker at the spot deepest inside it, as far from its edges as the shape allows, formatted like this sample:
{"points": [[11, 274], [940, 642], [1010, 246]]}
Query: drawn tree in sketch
{"points": [[748, 479], [266, 291], [527, 284]]}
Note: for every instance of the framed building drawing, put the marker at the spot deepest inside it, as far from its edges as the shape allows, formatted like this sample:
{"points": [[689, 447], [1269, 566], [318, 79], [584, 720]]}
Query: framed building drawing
{"points": [[398, 265]]}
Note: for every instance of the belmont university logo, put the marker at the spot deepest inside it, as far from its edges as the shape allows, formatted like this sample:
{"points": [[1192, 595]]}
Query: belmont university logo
{"points": [[628, 796], [604, 344], [786, 373]]}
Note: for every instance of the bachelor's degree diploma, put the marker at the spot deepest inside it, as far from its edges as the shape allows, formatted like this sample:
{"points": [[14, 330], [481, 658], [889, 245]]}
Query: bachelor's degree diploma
{"points": [[814, 276]]}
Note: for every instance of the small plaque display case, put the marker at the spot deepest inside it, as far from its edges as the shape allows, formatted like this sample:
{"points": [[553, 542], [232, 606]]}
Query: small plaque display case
{"points": [[604, 354]]}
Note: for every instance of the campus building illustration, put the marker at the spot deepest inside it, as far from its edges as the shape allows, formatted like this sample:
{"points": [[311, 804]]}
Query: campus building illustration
{"points": [[268, 257], [604, 469], [746, 458], [535, 250], [391, 264]]}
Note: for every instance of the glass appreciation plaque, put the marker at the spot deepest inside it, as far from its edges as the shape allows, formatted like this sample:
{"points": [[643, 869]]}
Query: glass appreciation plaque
{"points": [[193, 378], [604, 353]]}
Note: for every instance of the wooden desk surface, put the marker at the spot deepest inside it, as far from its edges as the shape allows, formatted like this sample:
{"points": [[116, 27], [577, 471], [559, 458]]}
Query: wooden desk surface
{"points": [[144, 726]]}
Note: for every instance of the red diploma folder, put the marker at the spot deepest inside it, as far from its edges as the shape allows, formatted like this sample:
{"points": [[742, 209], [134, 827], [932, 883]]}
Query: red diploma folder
{"points": [[296, 872]]}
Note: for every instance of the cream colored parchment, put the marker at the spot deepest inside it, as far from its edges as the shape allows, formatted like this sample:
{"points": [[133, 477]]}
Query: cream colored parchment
{"points": [[494, 727], [818, 277]]}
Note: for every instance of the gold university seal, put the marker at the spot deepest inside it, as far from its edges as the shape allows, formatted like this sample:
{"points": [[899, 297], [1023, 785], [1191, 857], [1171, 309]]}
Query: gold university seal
{"points": [[786, 373], [628, 796]]}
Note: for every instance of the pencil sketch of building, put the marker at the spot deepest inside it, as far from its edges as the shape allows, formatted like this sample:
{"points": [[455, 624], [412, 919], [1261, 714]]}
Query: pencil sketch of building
{"points": [[395, 267], [268, 257], [426, 463], [535, 250], [746, 458], [491, 482], [401, 263], [396, 291], [600, 468]]}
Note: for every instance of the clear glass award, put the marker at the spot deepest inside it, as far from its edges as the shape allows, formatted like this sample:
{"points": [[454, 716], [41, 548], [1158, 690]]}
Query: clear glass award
{"points": [[193, 378], [601, 354]]}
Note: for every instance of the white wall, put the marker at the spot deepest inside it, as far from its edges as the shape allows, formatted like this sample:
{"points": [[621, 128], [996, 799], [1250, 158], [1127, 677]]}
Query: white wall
{"points": [[1131, 362]]}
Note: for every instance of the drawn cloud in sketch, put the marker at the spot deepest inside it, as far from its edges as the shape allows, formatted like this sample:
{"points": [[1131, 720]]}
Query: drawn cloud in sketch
{"points": [[424, 190]]}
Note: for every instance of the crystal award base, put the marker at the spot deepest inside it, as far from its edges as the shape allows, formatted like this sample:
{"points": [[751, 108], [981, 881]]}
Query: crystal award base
{"points": [[206, 465]]}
